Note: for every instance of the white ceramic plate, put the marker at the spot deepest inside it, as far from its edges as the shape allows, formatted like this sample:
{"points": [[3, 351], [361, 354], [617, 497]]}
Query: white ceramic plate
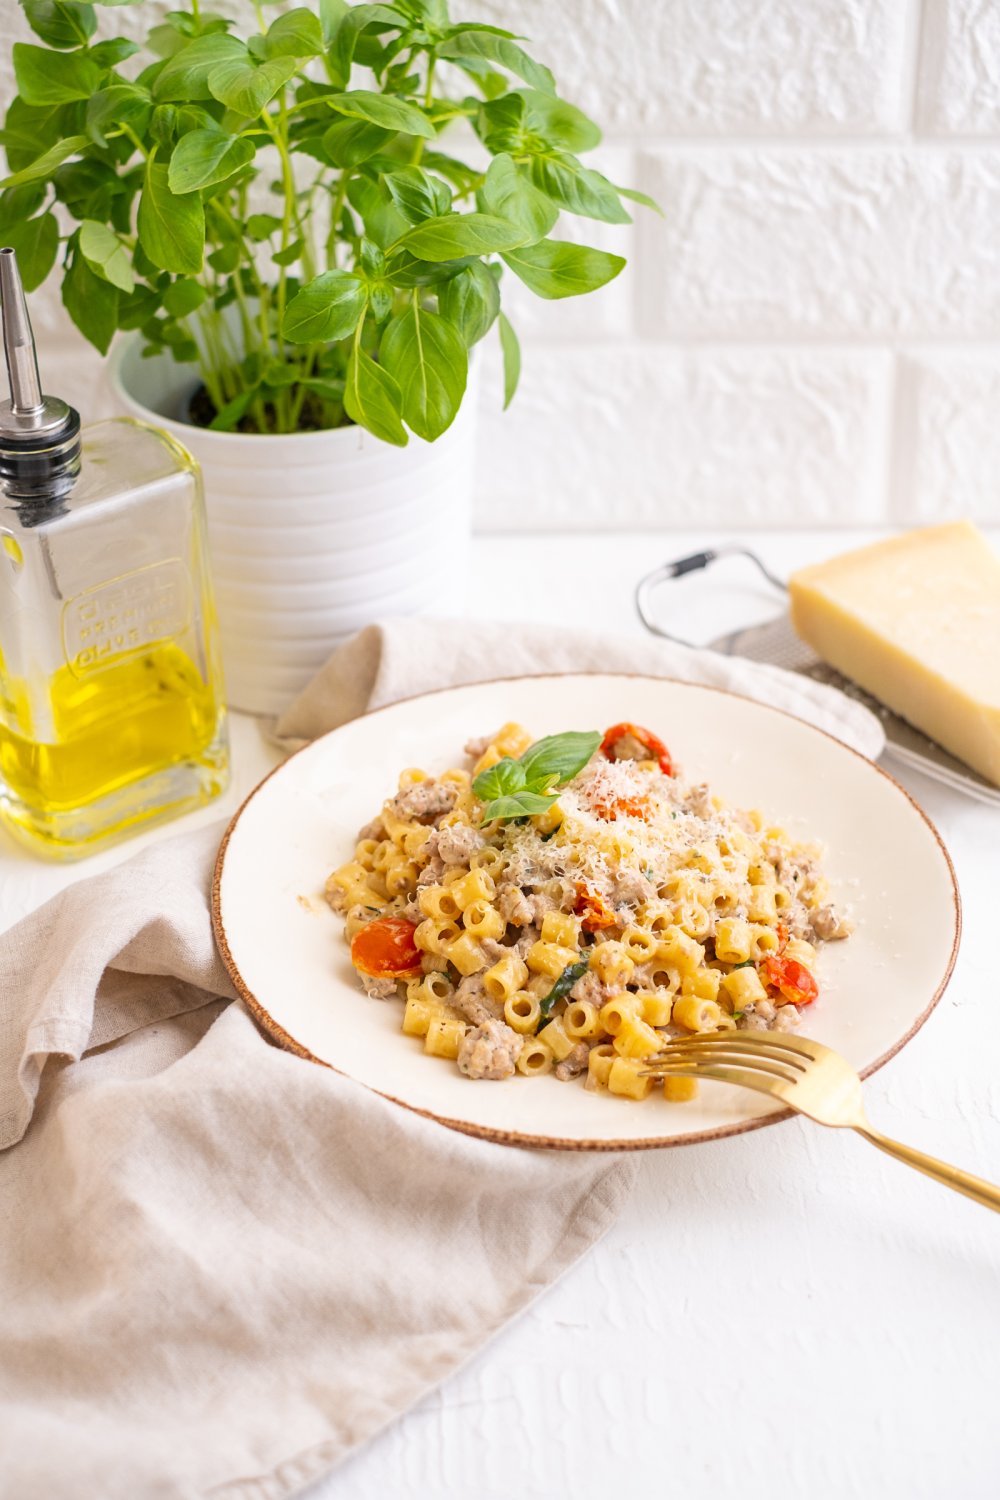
{"points": [[285, 951]]}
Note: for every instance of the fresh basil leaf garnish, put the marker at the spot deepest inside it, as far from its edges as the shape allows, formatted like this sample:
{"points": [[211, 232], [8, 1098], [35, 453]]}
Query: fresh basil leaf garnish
{"points": [[518, 788], [559, 757], [563, 985]]}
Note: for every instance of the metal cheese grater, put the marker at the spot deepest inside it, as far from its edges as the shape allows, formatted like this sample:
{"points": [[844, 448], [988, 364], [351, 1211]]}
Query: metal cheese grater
{"points": [[776, 643]]}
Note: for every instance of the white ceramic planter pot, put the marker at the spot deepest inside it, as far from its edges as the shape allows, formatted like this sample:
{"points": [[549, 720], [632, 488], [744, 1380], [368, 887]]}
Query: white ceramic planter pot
{"points": [[313, 535]]}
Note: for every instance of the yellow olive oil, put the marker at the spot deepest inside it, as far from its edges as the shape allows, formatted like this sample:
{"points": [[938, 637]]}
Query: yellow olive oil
{"points": [[132, 718], [111, 708]]}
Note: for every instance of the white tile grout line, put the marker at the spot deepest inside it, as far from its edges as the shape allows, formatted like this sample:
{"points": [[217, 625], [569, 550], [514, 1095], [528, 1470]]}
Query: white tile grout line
{"points": [[913, 40]]}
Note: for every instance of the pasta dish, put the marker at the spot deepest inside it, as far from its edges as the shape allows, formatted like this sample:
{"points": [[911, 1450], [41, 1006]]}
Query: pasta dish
{"points": [[572, 903]]}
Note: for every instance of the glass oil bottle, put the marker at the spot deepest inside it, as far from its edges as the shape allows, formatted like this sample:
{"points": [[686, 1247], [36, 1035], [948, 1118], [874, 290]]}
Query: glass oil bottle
{"points": [[111, 706]]}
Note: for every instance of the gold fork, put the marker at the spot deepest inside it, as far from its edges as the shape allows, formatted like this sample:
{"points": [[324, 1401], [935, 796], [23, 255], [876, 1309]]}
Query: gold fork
{"points": [[813, 1079]]}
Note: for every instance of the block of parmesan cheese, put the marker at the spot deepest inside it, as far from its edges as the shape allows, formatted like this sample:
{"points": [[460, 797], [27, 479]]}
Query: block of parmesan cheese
{"points": [[916, 621]]}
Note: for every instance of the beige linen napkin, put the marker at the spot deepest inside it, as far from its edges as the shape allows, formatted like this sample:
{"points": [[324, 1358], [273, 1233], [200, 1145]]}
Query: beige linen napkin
{"points": [[224, 1267]]}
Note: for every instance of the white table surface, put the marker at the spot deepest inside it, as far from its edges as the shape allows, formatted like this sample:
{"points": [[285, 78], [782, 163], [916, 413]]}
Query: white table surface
{"points": [[786, 1314]]}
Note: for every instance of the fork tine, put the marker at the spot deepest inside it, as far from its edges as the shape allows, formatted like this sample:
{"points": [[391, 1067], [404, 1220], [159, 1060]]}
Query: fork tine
{"points": [[780, 1041], [747, 1078], [716, 1057], [731, 1041]]}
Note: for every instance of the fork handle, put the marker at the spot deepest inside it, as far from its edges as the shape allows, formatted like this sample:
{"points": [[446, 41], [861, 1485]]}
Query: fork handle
{"points": [[986, 1193]]}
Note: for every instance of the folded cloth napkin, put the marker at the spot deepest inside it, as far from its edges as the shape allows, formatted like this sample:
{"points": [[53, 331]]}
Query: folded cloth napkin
{"points": [[222, 1266]]}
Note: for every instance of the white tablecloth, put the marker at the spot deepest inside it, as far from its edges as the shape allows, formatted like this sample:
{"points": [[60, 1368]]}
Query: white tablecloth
{"points": [[781, 1315]]}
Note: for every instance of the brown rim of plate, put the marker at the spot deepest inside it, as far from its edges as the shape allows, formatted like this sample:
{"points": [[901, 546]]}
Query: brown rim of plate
{"points": [[279, 1035]]}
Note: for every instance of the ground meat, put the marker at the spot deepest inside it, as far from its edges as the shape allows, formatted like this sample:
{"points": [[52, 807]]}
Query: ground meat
{"points": [[373, 830], [589, 987], [493, 951], [379, 989], [432, 873], [478, 746], [627, 747], [699, 801], [457, 842], [514, 906], [489, 1051], [426, 800], [787, 1018], [828, 924], [632, 889], [574, 1062], [529, 937], [752, 1022], [411, 911], [472, 1000]]}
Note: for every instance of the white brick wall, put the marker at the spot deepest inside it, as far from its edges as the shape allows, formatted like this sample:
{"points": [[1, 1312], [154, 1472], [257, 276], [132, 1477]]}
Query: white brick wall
{"points": [[811, 334]]}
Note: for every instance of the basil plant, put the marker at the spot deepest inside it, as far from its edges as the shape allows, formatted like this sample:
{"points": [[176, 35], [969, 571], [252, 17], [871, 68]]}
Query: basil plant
{"points": [[279, 201]]}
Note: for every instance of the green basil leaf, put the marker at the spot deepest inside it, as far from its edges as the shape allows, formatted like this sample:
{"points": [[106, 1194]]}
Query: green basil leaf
{"points": [[506, 54], [501, 780], [204, 157], [112, 52], [635, 196], [331, 13], [20, 203], [555, 269], [121, 104], [417, 194], [182, 297], [380, 109], [517, 805], [345, 40], [164, 41], [226, 419], [350, 142], [290, 254], [91, 302], [471, 301], [563, 985], [47, 78], [511, 359], [60, 25], [171, 228], [262, 226], [559, 757], [138, 309], [184, 76], [46, 164], [372, 399], [295, 34], [29, 129], [577, 188], [428, 359], [452, 236], [508, 193], [383, 221], [559, 124], [106, 255], [36, 242], [244, 88], [327, 308]]}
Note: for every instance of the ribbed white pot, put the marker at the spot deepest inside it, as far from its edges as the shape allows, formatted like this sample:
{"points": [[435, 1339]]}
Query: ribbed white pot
{"points": [[313, 535]]}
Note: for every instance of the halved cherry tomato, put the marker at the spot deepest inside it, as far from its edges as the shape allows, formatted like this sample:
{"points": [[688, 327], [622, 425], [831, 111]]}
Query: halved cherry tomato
{"points": [[646, 738], [385, 949], [793, 980], [592, 909], [620, 807]]}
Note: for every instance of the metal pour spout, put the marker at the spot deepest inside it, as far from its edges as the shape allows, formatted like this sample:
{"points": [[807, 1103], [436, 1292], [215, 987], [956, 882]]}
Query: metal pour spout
{"points": [[29, 416], [18, 341]]}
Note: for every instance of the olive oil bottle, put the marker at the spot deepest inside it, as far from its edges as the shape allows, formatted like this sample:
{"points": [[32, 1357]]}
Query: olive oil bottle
{"points": [[111, 708]]}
